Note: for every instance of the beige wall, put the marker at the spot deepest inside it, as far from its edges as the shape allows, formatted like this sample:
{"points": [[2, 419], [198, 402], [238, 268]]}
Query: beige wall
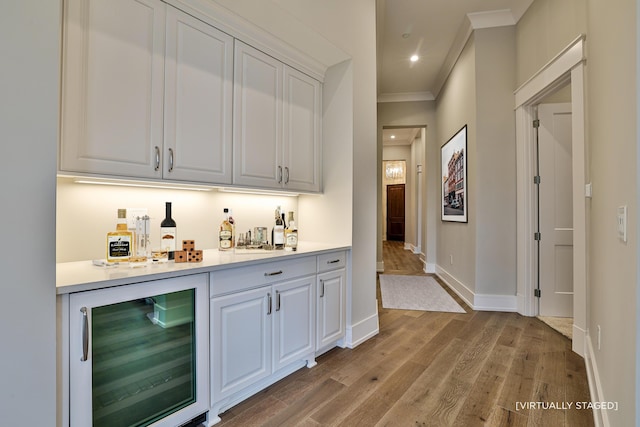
{"points": [[613, 144], [29, 42], [612, 168], [457, 106], [544, 30]]}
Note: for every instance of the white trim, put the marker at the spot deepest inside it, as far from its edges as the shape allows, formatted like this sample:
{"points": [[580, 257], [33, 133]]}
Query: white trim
{"points": [[478, 302], [429, 267], [491, 19], [406, 97], [566, 66], [600, 416], [362, 331], [380, 267]]}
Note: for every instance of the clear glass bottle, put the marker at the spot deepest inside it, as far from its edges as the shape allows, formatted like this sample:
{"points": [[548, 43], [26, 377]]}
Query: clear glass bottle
{"points": [[168, 232], [120, 242], [291, 234], [225, 235], [278, 231]]}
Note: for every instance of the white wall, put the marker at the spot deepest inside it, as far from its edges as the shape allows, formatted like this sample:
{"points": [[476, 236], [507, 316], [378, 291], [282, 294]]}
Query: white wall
{"points": [[29, 42]]}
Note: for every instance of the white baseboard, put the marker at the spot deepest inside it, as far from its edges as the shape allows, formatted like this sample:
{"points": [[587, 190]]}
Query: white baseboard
{"points": [[578, 340], [380, 267], [479, 302], [429, 268], [600, 416], [362, 331]]}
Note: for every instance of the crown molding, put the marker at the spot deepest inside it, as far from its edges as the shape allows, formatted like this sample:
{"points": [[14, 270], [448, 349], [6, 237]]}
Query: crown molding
{"points": [[406, 97], [472, 22]]}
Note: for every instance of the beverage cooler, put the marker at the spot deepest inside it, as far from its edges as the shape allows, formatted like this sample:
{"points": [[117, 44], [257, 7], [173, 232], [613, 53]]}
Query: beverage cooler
{"points": [[138, 354]]}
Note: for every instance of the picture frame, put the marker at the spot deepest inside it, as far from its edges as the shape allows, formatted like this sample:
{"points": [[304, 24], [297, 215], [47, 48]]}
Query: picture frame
{"points": [[453, 158]]}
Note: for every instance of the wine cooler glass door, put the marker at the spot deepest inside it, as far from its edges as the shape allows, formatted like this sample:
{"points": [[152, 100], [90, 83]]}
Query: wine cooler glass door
{"points": [[139, 353]]}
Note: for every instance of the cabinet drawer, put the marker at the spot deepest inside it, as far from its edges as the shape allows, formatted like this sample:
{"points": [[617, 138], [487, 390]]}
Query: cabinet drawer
{"points": [[242, 278], [331, 261]]}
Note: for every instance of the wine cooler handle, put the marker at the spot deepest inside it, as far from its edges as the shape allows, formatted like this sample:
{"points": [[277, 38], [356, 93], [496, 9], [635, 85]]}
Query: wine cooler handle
{"points": [[277, 301], [321, 288], [286, 175], [157, 158], [85, 335], [268, 303]]}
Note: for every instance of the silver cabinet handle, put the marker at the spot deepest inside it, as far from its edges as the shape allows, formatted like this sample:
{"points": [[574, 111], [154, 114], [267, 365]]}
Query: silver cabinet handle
{"points": [[157, 158], [170, 159], [268, 303], [279, 174], [321, 288], [85, 335], [274, 273], [286, 175], [277, 301]]}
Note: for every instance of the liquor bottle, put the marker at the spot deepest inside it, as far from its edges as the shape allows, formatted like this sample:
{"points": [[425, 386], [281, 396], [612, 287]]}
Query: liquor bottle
{"points": [[278, 231], [120, 242], [168, 233], [225, 235], [291, 235]]}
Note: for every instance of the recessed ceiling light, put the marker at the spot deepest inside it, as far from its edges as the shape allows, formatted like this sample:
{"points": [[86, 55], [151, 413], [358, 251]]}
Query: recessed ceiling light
{"points": [[414, 58], [393, 137], [405, 35]]}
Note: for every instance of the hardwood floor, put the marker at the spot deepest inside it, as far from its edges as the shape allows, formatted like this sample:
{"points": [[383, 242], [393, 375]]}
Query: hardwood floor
{"points": [[432, 369]]}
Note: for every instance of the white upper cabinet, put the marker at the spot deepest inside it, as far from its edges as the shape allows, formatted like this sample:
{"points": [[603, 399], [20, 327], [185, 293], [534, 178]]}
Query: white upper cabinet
{"points": [[145, 96], [257, 118], [112, 88], [149, 91], [198, 101], [302, 132], [276, 126]]}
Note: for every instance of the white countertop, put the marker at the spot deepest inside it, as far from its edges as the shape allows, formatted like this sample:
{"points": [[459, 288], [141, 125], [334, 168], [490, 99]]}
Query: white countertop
{"points": [[84, 276]]}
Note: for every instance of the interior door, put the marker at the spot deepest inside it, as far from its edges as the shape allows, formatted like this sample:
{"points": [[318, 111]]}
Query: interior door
{"points": [[555, 210], [395, 212]]}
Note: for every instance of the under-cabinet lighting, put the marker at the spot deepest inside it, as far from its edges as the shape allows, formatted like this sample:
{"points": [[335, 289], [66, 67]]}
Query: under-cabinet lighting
{"points": [[141, 185], [256, 192]]}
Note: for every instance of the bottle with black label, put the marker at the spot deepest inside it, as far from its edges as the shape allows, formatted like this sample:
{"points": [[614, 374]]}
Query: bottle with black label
{"points": [[226, 234], [168, 233], [120, 242], [278, 230]]}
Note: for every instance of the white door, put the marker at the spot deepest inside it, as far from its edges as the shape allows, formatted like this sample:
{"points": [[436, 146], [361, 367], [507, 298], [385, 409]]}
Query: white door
{"points": [[112, 87], [257, 118], [302, 135], [240, 341], [293, 327], [331, 307], [556, 212], [198, 100]]}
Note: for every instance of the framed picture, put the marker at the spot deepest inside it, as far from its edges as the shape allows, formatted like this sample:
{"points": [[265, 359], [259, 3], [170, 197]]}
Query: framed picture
{"points": [[453, 156]]}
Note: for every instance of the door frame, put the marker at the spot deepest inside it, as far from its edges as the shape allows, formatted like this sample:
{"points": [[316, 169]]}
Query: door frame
{"points": [[567, 66]]}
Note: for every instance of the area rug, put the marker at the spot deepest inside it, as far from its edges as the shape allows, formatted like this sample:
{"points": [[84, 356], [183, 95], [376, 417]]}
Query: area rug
{"points": [[564, 325], [416, 293]]}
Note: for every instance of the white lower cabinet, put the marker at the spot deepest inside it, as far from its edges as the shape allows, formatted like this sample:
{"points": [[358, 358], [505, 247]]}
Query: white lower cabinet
{"points": [[261, 334], [331, 305]]}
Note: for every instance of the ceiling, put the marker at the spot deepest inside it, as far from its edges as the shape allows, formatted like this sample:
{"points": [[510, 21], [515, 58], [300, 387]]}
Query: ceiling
{"points": [[435, 30]]}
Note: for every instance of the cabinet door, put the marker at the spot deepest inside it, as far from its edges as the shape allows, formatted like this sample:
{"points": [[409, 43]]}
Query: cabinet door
{"points": [[293, 329], [331, 307], [112, 87], [198, 101], [302, 132], [257, 118], [240, 341]]}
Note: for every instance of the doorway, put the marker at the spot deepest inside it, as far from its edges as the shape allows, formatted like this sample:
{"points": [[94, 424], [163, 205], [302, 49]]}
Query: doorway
{"points": [[567, 68], [395, 212]]}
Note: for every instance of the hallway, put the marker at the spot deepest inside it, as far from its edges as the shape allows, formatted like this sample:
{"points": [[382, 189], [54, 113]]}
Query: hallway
{"points": [[432, 369]]}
